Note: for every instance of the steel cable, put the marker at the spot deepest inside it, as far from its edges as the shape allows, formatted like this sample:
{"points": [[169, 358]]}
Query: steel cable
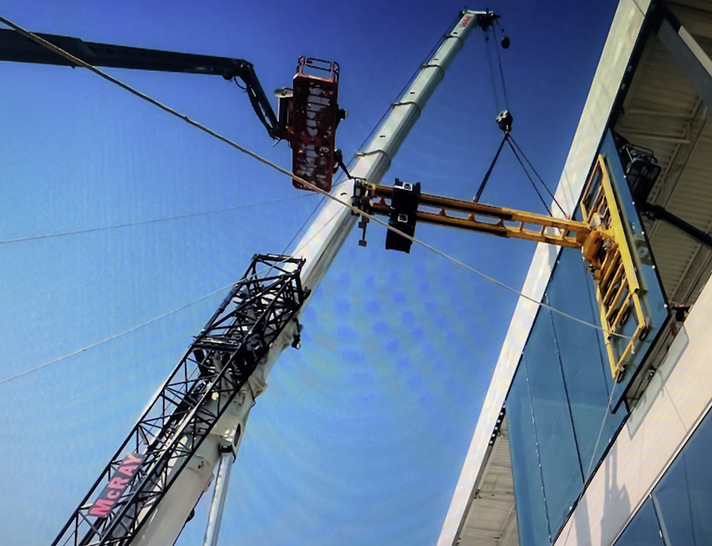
{"points": [[279, 169]]}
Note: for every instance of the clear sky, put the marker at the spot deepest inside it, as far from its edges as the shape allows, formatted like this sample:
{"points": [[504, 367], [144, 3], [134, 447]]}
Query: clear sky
{"points": [[361, 435]]}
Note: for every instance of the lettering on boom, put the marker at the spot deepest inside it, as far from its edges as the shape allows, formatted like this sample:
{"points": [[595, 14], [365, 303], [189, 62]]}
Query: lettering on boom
{"points": [[105, 502]]}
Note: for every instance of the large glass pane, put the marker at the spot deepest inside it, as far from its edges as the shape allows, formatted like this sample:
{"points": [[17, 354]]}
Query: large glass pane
{"points": [[560, 467], [654, 300], [528, 492], [582, 361], [644, 530], [683, 496]]}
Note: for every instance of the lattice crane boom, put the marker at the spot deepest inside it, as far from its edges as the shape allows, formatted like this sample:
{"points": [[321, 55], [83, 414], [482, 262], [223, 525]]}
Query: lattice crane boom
{"points": [[189, 407], [150, 487]]}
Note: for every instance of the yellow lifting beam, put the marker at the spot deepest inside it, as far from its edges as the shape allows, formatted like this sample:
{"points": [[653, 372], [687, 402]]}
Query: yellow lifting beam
{"points": [[601, 236], [500, 221]]}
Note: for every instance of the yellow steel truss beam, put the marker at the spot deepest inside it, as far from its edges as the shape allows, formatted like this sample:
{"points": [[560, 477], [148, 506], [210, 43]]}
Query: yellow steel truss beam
{"points": [[601, 236], [499, 221]]}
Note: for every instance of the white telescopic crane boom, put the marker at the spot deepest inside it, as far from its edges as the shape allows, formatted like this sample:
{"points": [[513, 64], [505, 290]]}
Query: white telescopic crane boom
{"points": [[329, 230], [183, 473], [318, 247]]}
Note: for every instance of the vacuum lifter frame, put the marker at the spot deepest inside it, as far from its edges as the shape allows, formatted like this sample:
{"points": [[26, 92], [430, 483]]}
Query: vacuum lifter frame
{"points": [[601, 236]]}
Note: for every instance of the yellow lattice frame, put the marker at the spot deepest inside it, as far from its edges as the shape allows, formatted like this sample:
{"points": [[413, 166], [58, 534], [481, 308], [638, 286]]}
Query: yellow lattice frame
{"points": [[618, 288], [601, 236]]}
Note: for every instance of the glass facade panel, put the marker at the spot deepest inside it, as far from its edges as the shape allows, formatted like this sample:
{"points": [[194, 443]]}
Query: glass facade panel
{"points": [[585, 370], [531, 512], [560, 465], [654, 302], [570, 389], [644, 530], [683, 497], [681, 503], [568, 392]]}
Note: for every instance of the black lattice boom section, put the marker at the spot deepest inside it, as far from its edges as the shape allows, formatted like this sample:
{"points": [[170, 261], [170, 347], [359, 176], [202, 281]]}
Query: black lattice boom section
{"points": [[191, 401]]}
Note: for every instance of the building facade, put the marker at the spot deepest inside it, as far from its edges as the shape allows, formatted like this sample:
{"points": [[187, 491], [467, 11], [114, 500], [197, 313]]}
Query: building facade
{"points": [[564, 452]]}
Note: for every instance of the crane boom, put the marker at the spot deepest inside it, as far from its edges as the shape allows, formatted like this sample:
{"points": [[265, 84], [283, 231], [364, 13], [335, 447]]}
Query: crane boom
{"points": [[334, 222], [307, 118], [473, 216], [189, 405], [18, 48], [209, 396]]}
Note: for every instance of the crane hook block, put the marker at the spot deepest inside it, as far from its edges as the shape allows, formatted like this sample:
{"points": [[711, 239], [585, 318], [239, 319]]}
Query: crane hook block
{"points": [[504, 120], [314, 117]]}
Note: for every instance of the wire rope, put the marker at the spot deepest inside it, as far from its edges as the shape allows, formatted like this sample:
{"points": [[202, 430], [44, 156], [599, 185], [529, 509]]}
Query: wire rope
{"points": [[143, 222], [531, 180], [514, 144], [515, 147], [285, 172], [111, 338], [501, 69], [490, 67], [145, 323], [477, 196]]}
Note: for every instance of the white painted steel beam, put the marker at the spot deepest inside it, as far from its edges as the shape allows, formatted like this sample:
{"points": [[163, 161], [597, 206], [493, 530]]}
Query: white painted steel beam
{"points": [[689, 56]]}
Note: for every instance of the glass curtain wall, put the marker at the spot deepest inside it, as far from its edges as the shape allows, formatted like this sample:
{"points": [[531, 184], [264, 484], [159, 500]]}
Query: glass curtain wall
{"points": [[558, 407], [677, 513], [563, 407]]}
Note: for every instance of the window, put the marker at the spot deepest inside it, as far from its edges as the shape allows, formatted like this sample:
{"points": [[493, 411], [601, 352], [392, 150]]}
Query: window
{"points": [[644, 530], [531, 504], [557, 407], [678, 511], [564, 408], [683, 497]]}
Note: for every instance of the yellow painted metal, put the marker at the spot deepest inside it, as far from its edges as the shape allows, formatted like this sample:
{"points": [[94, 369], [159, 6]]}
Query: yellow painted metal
{"points": [[601, 236], [618, 287], [498, 221]]}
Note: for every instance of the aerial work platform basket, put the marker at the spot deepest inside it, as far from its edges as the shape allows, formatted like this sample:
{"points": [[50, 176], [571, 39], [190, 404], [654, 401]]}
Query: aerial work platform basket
{"points": [[315, 115]]}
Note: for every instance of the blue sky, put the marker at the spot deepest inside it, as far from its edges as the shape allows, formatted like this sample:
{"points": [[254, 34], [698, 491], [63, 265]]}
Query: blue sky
{"points": [[361, 434]]}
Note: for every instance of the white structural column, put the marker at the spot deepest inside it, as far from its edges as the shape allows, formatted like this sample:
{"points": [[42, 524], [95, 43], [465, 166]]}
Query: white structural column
{"points": [[318, 247], [222, 479]]}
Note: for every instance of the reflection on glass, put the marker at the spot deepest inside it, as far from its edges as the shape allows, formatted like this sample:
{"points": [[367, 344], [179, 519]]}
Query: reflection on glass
{"points": [[528, 492], [643, 530], [683, 497], [567, 390], [681, 503], [584, 366], [560, 466]]}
